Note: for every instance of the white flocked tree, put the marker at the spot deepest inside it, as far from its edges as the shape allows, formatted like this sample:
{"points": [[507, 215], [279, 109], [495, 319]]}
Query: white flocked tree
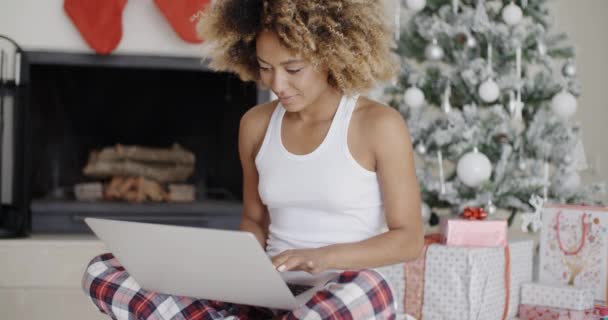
{"points": [[488, 92]]}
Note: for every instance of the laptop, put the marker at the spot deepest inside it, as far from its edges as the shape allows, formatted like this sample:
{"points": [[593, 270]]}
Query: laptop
{"points": [[202, 263]]}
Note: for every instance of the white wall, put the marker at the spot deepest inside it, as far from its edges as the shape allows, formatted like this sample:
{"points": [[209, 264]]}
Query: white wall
{"points": [[586, 24], [44, 25]]}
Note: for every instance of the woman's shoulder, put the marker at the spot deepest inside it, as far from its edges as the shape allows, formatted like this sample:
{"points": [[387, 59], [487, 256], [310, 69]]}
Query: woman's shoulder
{"points": [[381, 129], [254, 124], [374, 116], [259, 112], [258, 117]]}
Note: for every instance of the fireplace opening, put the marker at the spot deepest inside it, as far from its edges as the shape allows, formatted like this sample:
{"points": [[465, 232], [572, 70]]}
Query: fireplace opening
{"points": [[80, 104]]}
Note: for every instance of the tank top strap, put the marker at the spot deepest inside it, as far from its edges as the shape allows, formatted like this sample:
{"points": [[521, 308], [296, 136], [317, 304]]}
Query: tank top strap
{"points": [[351, 103], [270, 135], [347, 113]]}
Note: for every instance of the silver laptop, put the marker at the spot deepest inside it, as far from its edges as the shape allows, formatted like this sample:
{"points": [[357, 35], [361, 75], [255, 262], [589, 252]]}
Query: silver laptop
{"points": [[211, 264]]}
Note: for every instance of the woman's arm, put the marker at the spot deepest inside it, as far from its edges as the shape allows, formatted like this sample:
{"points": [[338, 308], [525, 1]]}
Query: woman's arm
{"points": [[401, 197], [255, 218], [394, 160]]}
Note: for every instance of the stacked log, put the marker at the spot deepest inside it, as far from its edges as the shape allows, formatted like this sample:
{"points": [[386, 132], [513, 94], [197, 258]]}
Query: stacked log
{"points": [[175, 164], [138, 174]]}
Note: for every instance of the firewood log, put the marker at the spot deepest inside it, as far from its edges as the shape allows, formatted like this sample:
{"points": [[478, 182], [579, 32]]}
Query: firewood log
{"points": [[158, 172], [112, 189], [153, 190], [175, 154]]}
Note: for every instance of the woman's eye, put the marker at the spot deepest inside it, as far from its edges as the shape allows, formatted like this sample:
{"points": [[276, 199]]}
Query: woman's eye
{"points": [[293, 71], [264, 68]]}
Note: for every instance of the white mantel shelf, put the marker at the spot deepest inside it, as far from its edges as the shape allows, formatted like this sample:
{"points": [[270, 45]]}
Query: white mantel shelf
{"points": [[53, 239]]}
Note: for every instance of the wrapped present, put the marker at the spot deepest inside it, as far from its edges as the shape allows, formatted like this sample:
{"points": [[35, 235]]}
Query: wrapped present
{"points": [[601, 310], [530, 312], [565, 297], [521, 255], [463, 282], [414, 280], [473, 229], [574, 247]]}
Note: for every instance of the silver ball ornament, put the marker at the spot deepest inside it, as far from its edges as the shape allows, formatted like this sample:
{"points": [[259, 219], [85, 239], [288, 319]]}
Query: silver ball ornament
{"points": [[564, 104], [569, 69], [489, 91], [415, 5], [414, 97], [522, 165], [471, 42], [512, 14], [473, 169], [542, 49], [433, 51], [425, 211], [490, 208], [421, 149]]}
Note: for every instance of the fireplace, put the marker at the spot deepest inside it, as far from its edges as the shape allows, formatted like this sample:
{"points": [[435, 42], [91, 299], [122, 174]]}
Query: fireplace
{"points": [[81, 102]]}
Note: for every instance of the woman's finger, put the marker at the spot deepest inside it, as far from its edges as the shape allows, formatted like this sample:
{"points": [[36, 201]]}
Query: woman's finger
{"points": [[280, 259], [293, 263]]}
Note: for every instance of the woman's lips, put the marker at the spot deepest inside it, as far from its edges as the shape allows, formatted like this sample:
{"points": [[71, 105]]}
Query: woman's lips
{"points": [[286, 99]]}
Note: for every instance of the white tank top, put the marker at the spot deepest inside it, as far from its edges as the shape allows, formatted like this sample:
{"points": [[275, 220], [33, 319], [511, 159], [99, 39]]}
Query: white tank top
{"points": [[321, 198]]}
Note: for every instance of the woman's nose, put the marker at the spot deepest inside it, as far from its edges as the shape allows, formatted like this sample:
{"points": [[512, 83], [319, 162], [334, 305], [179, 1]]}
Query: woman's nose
{"points": [[278, 83]]}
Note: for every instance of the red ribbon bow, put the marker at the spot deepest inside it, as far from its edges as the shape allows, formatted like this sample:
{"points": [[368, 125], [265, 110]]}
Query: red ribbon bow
{"points": [[474, 213]]}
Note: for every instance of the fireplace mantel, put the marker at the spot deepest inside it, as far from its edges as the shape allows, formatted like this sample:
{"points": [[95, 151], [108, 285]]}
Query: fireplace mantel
{"points": [[117, 60]]}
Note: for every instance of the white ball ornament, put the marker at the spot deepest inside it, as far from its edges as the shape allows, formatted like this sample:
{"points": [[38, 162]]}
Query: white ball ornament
{"points": [[564, 104], [415, 5], [433, 51], [490, 208], [512, 14], [569, 69], [414, 97], [489, 91], [522, 165], [471, 42], [425, 211], [473, 169], [421, 149], [542, 49]]}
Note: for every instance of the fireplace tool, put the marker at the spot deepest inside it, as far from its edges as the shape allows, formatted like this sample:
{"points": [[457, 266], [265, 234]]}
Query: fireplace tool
{"points": [[9, 87]]}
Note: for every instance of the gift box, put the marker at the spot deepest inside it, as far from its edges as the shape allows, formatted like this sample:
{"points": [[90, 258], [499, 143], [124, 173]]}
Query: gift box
{"points": [[565, 297], [473, 233], [530, 312], [414, 285], [466, 282], [602, 310], [574, 247]]}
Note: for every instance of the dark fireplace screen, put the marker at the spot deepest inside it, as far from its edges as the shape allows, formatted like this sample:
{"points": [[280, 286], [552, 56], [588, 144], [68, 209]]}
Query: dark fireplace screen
{"points": [[139, 115]]}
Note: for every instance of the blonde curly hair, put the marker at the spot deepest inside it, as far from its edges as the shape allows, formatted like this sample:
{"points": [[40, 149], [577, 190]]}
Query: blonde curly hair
{"points": [[349, 37]]}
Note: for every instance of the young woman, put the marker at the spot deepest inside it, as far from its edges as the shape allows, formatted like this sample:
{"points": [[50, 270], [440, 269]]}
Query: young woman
{"points": [[328, 176]]}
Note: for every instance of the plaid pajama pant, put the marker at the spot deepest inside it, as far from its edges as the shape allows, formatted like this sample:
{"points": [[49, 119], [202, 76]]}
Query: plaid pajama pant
{"points": [[351, 295]]}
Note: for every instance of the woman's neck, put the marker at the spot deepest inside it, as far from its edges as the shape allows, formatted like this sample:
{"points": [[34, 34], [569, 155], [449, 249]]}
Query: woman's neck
{"points": [[322, 109]]}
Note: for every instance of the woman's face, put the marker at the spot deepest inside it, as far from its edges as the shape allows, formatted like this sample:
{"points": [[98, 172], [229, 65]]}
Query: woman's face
{"points": [[292, 78]]}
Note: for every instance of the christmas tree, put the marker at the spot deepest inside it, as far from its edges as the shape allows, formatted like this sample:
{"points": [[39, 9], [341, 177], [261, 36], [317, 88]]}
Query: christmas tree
{"points": [[488, 92]]}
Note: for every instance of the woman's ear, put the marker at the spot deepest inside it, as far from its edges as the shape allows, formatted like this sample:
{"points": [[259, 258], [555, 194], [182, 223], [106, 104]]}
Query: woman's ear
{"points": [[331, 80]]}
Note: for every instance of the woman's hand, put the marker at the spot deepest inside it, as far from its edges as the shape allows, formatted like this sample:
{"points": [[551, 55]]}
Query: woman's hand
{"points": [[310, 260]]}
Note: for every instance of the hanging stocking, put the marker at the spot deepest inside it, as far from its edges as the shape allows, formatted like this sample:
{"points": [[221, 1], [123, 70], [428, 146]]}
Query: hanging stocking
{"points": [[98, 21], [183, 16]]}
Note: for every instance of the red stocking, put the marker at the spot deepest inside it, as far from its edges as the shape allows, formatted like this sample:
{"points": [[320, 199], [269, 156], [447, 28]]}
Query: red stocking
{"points": [[183, 16], [99, 22]]}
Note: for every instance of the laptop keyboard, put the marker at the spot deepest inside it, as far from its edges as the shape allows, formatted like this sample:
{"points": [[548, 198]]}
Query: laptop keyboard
{"points": [[297, 289]]}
